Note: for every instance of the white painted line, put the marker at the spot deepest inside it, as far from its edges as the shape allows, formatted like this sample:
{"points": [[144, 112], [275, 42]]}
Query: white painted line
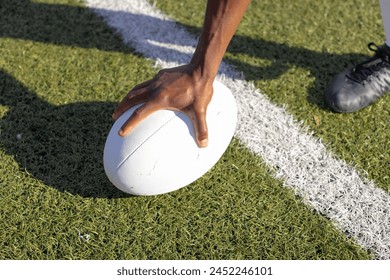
{"points": [[328, 184]]}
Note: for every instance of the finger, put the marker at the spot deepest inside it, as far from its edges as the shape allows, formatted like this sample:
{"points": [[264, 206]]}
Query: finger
{"points": [[134, 97], [138, 116], [200, 127], [202, 131]]}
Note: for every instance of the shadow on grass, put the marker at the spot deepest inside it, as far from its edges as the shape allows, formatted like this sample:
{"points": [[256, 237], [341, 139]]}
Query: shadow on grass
{"points": [[322, 66], [62, 145], [78, 26]]}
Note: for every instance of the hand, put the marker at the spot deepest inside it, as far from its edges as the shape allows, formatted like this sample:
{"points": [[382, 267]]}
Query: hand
{"points": [[181, 89]]}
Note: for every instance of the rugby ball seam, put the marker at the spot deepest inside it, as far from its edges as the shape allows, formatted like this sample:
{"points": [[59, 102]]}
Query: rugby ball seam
{"points": [[177, 114]]}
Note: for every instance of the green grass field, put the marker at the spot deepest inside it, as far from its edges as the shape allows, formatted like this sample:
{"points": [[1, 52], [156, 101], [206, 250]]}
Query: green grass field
{"points": [[62, 72]]}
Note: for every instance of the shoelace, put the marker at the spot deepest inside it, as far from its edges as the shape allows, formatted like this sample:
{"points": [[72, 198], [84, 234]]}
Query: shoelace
{"points": [[363, 70]]}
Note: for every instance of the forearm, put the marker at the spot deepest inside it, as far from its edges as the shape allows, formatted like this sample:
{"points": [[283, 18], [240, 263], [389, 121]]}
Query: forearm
{"points": [[221, 21]]}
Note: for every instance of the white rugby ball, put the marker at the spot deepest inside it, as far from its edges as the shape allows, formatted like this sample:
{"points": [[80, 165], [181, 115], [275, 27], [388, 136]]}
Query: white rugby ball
{"points": [[160, 155]]}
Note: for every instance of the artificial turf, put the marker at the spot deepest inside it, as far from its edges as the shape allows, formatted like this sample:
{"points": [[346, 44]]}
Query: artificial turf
{"points": [[62, 71], [292, 50]]}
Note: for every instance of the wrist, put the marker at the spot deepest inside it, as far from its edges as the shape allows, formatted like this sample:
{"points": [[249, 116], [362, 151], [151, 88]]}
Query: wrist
{"points": [[206, 63], [203, 73]]}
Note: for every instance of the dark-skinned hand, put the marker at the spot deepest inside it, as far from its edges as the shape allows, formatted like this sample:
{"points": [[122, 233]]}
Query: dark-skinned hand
{"points": [[181, 89]]}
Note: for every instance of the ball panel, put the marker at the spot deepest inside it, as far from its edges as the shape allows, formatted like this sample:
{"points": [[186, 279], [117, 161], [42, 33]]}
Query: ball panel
{"points": [[167, 167]]}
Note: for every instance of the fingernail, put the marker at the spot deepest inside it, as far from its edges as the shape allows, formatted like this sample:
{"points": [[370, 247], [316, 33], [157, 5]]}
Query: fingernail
{"points": [[203, 143]]}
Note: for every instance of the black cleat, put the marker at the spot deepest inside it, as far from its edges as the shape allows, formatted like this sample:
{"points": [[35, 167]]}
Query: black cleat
{"points": [[362, 85]]}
